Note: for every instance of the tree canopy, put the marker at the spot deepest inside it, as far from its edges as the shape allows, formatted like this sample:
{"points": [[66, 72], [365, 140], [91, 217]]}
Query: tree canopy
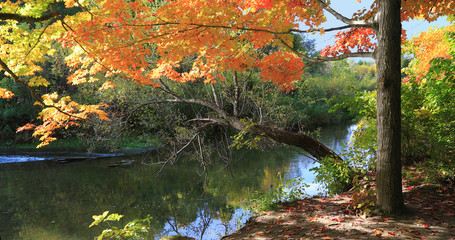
{"points": [[146, 40]]}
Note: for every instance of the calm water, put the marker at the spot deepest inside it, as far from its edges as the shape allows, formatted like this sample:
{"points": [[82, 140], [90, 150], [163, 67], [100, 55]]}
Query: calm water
{"points": [[51, 200]]}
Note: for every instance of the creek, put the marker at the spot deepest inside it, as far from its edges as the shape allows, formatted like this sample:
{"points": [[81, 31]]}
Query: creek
{"points": [[42, 197]]}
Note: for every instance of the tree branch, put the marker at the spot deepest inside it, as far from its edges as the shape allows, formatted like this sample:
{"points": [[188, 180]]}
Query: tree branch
{"points": [[38, 40], [21, 18], [32, 90], [166, 89], [350, 22], [215, 95], [191, 140], [236, 96], [212, 106], [312, 30], [326, 59]]}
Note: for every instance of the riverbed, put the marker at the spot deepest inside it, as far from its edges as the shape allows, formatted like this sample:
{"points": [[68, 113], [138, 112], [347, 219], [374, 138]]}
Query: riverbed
{"points": [[49, 199]]}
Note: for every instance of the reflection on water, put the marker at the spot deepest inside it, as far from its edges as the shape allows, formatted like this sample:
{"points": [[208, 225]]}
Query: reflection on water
{"points": [[51, 200], [335, 137]]}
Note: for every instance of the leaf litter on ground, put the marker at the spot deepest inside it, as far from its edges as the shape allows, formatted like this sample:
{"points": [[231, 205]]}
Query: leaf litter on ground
{"points": [[430, 214]]}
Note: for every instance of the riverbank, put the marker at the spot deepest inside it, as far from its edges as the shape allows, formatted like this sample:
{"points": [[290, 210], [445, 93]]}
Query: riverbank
{"points": [[75, 144], [430, 214]]}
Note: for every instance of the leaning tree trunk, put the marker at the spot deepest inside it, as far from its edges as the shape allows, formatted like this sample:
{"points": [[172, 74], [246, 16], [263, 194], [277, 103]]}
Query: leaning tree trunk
{"points": [[388, 179], [315, 148]]}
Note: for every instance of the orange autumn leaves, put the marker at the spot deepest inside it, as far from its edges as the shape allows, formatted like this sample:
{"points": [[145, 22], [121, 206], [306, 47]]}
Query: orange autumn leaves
{"points": [[428, 46], [63, 114], [145, 42], [5, 93], [360, 39], [429, 10], [282, 69], [222, 35]]}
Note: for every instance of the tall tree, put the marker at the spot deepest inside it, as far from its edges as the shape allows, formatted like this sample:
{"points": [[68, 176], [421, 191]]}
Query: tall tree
{"points": [[388, 60], [147, 42]]}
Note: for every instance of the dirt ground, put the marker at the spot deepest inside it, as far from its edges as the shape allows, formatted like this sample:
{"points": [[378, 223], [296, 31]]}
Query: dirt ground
{"points": [[430, 214]]}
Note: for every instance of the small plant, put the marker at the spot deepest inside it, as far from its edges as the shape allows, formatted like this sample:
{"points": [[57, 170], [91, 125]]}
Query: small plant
{"points": [[135, 229], [287, 190], [364, 193], [335, 175]]}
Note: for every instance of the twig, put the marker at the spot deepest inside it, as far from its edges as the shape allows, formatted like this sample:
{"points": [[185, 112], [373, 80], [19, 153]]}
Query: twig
{"points": [[37, 41], [32, 90]]}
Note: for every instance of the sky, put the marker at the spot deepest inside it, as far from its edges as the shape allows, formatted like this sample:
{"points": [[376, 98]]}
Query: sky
{"points": [[348, 7]]}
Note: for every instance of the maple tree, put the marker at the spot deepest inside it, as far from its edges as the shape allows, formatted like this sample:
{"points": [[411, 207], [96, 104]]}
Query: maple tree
{"points": [[427, 46], [427, 94], [145, 41]]}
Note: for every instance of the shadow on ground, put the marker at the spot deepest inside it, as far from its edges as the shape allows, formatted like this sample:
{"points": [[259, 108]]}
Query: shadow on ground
{"points": [[430, 215]]}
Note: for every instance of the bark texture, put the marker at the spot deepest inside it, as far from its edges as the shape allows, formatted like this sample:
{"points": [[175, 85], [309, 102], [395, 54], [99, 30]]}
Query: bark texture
{"points": [[388, 59]]}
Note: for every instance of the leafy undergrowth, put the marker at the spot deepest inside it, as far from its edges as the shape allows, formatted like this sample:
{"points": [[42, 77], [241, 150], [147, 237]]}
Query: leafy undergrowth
{"points": [[430, 214]]}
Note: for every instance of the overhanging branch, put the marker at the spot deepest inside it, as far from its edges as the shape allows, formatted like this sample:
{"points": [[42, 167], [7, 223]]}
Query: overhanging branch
{"points": [[32, 90], [250, 29], [21, 18], [312, 146], [312, 30], [22, 83], [350, 22], [326, 59]]}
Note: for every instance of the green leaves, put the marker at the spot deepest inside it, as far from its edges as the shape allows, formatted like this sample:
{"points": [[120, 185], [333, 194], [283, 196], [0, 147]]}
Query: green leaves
{"points": [[105, 217], [135, 229], [334, 174], [245, 139]]}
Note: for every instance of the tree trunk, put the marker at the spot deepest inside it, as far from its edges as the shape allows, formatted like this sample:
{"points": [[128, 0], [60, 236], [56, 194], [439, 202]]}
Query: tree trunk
{"points": [[388, 179], [315, 148]]}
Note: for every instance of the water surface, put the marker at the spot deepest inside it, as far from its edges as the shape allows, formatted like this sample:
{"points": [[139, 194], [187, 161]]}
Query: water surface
{"points": [[54, 200]]}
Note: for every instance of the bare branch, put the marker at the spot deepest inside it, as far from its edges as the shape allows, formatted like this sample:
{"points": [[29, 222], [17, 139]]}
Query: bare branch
{"points": [[85, 9], [302, 153], [215, 95], [350, 22], [174, 155], [201, 154], [37, 40], [313, 147], [166, 89], [201, 25], [236, 95], [212, 106], [312, 30], [340, 57], [207, 120], [178, 152]]}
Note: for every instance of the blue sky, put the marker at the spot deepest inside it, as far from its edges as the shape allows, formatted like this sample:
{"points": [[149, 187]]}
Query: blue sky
{"points": [[348, 7]]}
